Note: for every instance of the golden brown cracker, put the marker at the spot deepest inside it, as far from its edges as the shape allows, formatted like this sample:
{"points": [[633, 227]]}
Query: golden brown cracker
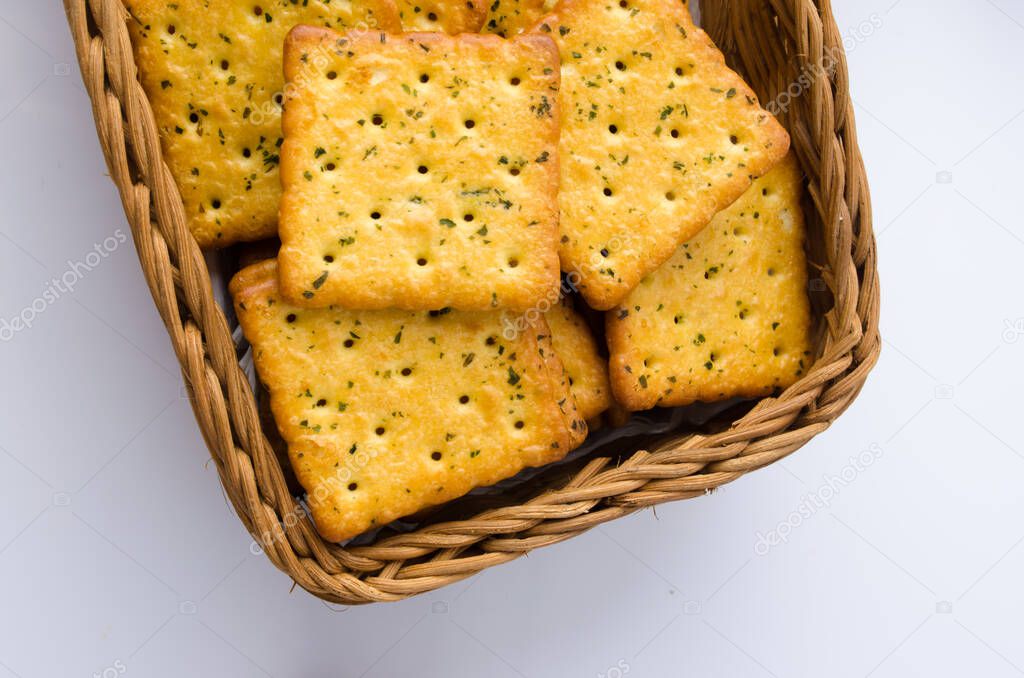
{"points": [[587, 370], [658, 135], [512, 17], [212, 72], [388, 412], [447, 16], [420, 172], [728, 315]]}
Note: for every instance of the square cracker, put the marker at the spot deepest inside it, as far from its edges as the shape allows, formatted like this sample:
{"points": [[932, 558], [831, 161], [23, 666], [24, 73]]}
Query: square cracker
{"points": [[387, 412], [448, 16], [420, 171], [587, 371], [658, 135], [212, 72], [728, 314]]}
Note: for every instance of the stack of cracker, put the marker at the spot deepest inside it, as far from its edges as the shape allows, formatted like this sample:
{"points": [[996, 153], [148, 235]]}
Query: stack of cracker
{"points": [[456, 204]]}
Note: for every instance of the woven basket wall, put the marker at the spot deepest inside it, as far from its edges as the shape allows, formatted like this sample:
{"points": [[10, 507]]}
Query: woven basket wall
{"points": [[791, 47]]}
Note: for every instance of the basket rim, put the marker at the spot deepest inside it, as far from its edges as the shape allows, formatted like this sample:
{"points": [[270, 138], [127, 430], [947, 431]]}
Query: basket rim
{"points": [[778, 41]]}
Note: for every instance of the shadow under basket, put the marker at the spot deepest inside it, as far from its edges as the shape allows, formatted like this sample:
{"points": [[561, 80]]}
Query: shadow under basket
{"points": [[791, 53]]}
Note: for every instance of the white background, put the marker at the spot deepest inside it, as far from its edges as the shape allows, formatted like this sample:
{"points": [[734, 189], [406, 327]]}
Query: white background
{"points": [[119, 554]]}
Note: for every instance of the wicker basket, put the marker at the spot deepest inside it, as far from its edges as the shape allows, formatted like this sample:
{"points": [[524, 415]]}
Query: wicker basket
{"points": [[790, 51]]}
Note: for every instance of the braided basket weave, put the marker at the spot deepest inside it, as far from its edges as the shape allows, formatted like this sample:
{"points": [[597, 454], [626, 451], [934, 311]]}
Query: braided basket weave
{"points": [[789, 50]]}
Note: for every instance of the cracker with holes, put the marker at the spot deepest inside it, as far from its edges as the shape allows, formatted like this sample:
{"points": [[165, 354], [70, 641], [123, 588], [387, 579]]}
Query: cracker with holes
{"points": [[728, 314], [448, 16], [388, 412], [420, 171], [658, 135], [586, 369], [512, 17], [212, 72]]}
